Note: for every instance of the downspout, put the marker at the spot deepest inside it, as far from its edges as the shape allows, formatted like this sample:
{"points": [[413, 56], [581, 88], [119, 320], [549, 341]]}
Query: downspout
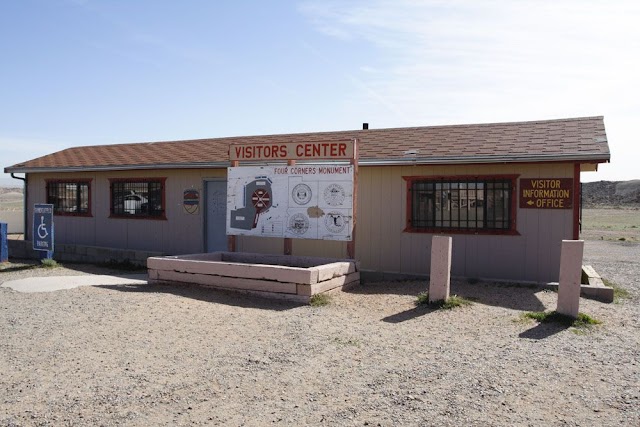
{"points": [[25, 198]]}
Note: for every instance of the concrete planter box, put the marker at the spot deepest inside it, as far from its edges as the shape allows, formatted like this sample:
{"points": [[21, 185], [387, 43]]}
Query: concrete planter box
{"points": [[281, 276]]}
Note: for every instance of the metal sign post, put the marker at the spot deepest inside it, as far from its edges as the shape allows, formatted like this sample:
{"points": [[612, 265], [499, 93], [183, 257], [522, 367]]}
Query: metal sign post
{"points": [[43, 229], [231, 239], [288, 242], [351, 245]]}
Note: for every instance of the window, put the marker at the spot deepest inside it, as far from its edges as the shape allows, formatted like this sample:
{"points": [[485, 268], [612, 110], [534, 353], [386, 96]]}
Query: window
{"points": [[70, 197], [461, 204], [141, 198]]}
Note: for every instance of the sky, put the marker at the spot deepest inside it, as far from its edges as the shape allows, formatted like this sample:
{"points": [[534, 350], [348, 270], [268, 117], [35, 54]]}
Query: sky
{"points": [[85, 72]]}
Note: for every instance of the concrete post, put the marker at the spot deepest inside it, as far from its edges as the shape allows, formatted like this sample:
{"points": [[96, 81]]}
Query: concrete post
{"points": [[440, 278], [4, 244], [570, 274]]}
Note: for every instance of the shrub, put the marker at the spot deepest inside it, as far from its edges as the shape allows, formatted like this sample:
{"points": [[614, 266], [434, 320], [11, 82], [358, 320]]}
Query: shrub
{"points": [[49, 263], [619, 293], [455, 301], [319, 300], [448, 304], [423, 298], [583, 320]]}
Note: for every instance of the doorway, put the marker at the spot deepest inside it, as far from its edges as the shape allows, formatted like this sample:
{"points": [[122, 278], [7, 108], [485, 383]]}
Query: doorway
{"points": [[216, 217]]}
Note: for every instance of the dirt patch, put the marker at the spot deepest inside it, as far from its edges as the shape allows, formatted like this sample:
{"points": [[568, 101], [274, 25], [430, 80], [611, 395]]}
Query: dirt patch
{"points": [[185, 355], [11, 199]]}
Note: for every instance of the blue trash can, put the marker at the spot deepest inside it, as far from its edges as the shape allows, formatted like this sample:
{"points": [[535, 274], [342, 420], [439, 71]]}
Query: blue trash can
{"points": [[4, 244]]}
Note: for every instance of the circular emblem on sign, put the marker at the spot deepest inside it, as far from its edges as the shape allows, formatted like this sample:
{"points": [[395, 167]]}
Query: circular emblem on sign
{"points": [[299, 223], [335, 222], [334, 195], [301, 194], [261, 199]]}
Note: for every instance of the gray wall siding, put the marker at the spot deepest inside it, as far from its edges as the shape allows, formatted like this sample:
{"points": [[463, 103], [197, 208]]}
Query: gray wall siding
{"points": [[181, 233], [382, 244], [533, 255]]}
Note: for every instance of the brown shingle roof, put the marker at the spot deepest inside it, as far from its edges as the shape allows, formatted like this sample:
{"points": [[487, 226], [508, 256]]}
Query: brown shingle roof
{"points": [[579, 139]]}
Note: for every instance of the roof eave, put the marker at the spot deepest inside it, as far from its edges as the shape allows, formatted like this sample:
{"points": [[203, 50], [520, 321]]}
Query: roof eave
{"points": [[207, 165], [540, 158]]}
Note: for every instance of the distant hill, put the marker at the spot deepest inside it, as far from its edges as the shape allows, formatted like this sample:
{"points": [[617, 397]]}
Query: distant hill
{"points": [[11, 199], [7, 190], [8, 182], [611, 194], [11, 191]]}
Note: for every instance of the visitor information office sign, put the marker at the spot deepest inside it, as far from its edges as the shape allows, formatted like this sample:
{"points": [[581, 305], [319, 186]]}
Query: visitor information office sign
{"points": [[546, 193], [292, 201]]}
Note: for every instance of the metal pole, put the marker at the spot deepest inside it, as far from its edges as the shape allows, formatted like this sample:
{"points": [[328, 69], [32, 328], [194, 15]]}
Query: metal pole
{"points": [[351, 245], [231, 240], [288, 242]]}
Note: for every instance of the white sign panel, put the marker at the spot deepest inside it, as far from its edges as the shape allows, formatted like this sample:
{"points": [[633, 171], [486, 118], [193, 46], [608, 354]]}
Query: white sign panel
{"points": [[299, 202]]}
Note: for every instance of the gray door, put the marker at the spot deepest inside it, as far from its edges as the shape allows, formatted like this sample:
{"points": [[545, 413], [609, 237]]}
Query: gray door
{"points": [[216, 216]]}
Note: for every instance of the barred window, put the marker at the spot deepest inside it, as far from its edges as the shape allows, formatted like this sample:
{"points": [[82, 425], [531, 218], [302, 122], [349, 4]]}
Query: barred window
{"points": [[460, 204], [137, 198], [69, 197]]}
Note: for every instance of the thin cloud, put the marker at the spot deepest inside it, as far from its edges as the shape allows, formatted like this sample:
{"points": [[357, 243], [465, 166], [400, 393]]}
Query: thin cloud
{"points": [[15, 150], [361, 85], [450, 62], [138, 40], [484, 49]]}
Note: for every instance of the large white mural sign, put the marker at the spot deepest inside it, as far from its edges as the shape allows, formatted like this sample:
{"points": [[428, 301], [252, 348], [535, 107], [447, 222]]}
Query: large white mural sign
{"points": [[303, 202]]}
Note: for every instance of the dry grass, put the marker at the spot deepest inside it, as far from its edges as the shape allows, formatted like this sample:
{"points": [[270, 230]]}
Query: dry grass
{"points": [[611, 224]]}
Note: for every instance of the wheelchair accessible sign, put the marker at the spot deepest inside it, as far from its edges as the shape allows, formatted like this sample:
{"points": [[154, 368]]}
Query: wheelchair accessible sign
{"points": [[43, 228]]}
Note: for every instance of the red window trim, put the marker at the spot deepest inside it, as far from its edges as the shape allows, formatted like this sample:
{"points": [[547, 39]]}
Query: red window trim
{"points": [[162, 181], [87, 181], [512, 231]]}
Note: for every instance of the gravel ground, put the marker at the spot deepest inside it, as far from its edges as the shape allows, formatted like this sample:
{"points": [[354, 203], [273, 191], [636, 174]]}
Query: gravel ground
{"points": [[184, 355]]}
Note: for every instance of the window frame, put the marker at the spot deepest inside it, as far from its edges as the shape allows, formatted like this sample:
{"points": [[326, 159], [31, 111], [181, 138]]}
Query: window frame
{"points": [[77, 182], [160, 180], [513, 209]]}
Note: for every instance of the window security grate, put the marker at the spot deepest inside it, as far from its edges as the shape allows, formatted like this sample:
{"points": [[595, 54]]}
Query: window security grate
{"points": [[461, 204]]}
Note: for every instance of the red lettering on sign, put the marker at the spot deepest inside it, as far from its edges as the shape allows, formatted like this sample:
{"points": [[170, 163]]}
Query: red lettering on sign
{"points": [[291, 150]]}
